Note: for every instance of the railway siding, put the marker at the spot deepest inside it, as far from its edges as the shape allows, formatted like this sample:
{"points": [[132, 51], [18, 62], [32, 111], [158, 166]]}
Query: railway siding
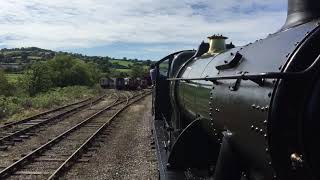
{"points": [[55, 156], [43, 134]]}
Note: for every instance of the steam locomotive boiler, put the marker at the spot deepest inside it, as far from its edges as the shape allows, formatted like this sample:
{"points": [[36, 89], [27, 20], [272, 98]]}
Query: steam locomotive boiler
{"points": [[250, 112]]}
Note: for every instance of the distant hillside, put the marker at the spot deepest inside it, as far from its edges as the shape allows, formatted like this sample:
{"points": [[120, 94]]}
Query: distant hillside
{"points": [[17, 59], [24, 55]]}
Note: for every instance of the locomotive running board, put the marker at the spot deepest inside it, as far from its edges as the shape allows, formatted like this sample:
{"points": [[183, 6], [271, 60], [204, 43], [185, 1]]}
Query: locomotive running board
{"points": [[159, 138]]}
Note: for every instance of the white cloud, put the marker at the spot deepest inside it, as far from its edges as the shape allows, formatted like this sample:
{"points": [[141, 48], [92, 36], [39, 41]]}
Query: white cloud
{"points": [[88, 23]]}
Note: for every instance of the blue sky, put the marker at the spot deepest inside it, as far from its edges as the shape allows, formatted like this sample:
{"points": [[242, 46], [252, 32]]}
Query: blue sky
{"points": [[142, 29]]}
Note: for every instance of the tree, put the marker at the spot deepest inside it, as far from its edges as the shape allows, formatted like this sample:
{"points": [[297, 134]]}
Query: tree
{"points": [[24, 57], [68, 71], [148, 62], [84, 74], [6, 88], [61, 66], [95, 72], [137, 71], [38, 78]]}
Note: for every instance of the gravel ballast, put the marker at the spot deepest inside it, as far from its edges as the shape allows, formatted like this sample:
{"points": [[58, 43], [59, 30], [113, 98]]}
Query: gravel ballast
{"points": [[126, 152], [47, 132]]}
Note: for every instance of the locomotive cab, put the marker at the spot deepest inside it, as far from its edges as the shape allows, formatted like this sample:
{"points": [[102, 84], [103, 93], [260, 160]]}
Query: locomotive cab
{"points": [[170, 67], [166, 68], [161, 89]]}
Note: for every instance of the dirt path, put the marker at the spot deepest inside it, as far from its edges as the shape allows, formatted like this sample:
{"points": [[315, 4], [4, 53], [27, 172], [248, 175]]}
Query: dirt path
{"points": [[126, 152]]}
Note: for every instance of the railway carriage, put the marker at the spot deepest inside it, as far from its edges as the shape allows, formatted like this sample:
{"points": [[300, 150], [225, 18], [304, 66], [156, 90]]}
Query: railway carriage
{"points": [[106, 83], [143, 83], [131, 83], [119, 83], [113, 83]]}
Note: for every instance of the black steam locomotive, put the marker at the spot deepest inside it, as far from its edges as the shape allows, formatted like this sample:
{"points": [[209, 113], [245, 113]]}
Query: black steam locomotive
{"points": [[250, 112]]}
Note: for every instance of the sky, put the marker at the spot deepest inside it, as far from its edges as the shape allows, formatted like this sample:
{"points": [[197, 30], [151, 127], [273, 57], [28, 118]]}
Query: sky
{"points": [[142, 29]]}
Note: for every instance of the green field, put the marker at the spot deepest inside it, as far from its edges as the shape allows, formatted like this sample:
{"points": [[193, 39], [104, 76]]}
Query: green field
{"points": [[13, 78], [122, 62], [123, 70], [126, 64]]}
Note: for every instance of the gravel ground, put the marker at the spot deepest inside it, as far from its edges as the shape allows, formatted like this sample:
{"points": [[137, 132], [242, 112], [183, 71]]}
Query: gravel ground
{"points": [[126, 153]]}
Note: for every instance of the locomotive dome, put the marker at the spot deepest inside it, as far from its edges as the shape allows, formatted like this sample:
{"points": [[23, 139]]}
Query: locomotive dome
{"points": [[217, 44]]}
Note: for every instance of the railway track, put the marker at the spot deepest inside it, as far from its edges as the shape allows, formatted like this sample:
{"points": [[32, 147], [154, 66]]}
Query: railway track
{"points": [[13, 132], [52, 159]]}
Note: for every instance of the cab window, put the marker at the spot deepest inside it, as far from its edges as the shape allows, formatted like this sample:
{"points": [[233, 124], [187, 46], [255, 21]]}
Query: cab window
{"points": [[164, 68]]}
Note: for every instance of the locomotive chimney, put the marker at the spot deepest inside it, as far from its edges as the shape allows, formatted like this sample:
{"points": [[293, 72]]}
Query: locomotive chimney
{"points": [[301, 11], [217, 44]]}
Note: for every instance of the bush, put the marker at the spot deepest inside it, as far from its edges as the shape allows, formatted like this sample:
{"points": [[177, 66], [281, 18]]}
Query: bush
{"points": [[6, 88], [137, 71], [69, 71], [45, 85], [38, 78], [8, 106], [45, 100], [62, 71], [60, 95]]}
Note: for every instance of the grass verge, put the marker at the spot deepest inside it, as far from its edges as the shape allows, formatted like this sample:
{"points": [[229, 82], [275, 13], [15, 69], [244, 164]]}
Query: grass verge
{"points": [[15, 108]]}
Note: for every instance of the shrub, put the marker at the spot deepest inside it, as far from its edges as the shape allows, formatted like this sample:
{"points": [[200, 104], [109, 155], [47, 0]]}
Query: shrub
{"points": [[8, 106], [6, 88], [69, 71], [137, 71], [38, 78], [62, 71], [44, 100]]}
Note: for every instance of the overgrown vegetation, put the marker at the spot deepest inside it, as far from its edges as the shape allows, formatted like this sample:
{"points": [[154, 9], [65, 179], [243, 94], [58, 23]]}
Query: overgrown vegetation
{"points": [[37, 79], [46, 84], [61, 71], [138, 71], [6, 89], [34, 79], [17, 107]]}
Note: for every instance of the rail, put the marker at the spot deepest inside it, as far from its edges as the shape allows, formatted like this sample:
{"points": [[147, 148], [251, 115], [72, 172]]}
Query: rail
{"points": [[76, 154], [14, 134]]}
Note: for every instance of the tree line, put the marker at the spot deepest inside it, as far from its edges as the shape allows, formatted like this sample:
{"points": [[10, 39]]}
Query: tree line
{"points": [[62, 71]]}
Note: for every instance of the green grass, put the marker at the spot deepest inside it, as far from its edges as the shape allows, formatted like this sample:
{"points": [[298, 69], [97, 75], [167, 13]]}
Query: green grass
{"points": [[121, 62], [13, 78], [123, 70], [18, 107], [146, 67], [34, 57], [125, 63]]}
